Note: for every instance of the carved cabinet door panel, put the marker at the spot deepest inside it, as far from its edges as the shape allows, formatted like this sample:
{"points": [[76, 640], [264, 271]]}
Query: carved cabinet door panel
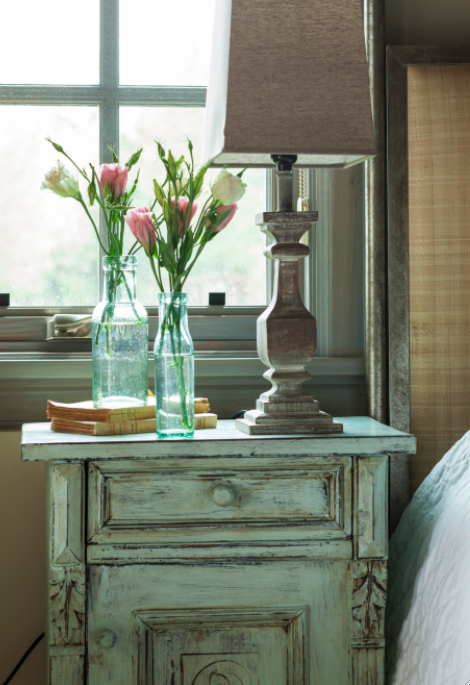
{"points": [[266, 623]]}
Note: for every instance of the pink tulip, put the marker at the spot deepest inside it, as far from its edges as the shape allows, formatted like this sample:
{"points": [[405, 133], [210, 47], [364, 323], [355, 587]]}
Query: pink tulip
{"points": [[116, 178], [184, 217], [221, 209], [140, 222]]}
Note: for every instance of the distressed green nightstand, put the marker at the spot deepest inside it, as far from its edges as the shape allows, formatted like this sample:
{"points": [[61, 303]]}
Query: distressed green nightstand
{"points": [[223, 559]]}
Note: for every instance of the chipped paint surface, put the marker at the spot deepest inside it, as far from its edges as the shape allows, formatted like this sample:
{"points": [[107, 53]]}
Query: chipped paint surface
{"points": [[262, 568]]}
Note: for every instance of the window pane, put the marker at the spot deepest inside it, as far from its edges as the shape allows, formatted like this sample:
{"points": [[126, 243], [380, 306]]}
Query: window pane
{"points": [[48, 251], [234, 262], [165, 43], [50, 41]]}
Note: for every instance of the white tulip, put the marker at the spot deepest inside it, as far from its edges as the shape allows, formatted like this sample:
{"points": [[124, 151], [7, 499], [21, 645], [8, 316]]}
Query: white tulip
{"points": [[228, 188]]}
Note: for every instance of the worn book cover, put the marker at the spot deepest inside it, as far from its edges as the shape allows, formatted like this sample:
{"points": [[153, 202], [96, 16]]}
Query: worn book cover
{"points": [[85, 411], [201, 405], [205, 421], [58, 425], [103, 427]]}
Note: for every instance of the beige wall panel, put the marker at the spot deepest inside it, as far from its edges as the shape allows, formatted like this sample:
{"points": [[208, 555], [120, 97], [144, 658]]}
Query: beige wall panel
{"points": [[22, 524], [439, 242]]}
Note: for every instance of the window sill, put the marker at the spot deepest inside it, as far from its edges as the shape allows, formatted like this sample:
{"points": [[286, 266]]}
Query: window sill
{"points": [[212, 328], [232, 381]]}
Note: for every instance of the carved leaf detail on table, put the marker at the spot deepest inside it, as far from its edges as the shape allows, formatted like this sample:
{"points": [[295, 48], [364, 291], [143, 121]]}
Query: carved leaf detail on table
{"points": [[369, 597], [67, 605], [223, 672]]}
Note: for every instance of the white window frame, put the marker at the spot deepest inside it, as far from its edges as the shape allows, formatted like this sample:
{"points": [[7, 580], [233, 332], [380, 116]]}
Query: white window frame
{"points": [[109, 96], [226, 335]]}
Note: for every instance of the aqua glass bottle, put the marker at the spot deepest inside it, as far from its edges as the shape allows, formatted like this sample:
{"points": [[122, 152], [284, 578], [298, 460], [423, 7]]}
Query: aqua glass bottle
{"points": [[174, 368], [120, 339]]}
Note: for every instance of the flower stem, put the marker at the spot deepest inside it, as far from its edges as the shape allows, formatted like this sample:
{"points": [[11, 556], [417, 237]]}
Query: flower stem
{"points": [[93, 224], [159, 281], [178, 363], [171, 325], [116, 277]]}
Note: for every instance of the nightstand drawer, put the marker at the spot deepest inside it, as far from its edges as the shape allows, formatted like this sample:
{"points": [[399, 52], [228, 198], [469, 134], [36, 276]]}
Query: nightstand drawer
{"points": [[150, 503]]}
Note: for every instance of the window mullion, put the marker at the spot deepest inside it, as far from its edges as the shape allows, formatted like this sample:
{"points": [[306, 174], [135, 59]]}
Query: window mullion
{"points": [[162, 96], [324, 248], [50, 95], [109, 77], [270, 206], [312, 258], [109, 82]]}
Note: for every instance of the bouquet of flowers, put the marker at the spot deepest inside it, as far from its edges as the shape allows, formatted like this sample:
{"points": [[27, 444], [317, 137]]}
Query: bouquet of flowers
{"points": [[173, 241], [107, 187], [170, 240]]}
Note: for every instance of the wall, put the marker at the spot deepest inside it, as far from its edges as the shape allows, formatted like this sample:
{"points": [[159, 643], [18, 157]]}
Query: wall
{"points": [[427, 22], [22, 556]]}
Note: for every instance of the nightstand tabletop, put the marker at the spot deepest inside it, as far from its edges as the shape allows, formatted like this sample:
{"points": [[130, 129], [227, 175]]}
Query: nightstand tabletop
{"points": [[362, 436]]}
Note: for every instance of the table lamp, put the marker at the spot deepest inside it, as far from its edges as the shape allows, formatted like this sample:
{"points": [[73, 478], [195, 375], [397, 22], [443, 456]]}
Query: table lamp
{"points": [[288, 84]]}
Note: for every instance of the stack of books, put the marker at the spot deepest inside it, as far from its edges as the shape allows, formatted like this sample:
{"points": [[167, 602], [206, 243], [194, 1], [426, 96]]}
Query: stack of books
{"points": [[84, 419]]}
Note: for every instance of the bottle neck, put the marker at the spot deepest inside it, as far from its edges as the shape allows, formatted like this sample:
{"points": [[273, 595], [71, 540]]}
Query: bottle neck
{"points": [[173, 308], [120, 283]]}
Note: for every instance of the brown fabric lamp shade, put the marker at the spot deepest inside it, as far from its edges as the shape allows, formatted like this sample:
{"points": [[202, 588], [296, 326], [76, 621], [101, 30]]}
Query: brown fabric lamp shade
{"points": [[288, 77]]}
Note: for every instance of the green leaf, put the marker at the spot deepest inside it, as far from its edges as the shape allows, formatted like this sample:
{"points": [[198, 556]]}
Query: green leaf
{"points": [[127, 196], [118, 208], [171, 256], [188, 243], [166, 214], [166, 256], [171, 165], [179, 162], [161, 150], [199, 180], [186, 251], [240, 173], [112, 149], [223, 216]]}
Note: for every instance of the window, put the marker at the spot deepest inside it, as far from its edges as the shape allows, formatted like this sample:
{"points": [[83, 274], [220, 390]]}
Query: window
{"points": [[113, 73]]}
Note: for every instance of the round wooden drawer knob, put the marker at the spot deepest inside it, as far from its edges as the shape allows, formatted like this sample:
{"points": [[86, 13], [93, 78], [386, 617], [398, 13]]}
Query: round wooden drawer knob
{"points": [[107, 639], [223, 495]]}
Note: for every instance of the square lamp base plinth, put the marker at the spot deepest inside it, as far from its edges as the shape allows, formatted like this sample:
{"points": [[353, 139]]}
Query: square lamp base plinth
{"points": [[258, 423]]}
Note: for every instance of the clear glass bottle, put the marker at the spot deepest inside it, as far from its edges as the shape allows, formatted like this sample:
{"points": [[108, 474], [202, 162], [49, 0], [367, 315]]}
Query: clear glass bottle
{"points": [[120, 339], [174, 368]]}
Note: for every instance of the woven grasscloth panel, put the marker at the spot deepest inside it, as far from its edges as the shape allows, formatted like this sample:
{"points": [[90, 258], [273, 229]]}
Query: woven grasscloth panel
{"points": [[439, 226]]}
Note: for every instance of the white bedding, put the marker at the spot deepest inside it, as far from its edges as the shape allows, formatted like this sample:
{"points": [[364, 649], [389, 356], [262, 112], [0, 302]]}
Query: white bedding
{"points": [[428, 605]]}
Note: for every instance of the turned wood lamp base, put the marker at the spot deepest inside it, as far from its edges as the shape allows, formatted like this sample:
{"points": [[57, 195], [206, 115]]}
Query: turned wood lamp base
{"points": [[292, 415], [286, 331], [321, 424]]}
